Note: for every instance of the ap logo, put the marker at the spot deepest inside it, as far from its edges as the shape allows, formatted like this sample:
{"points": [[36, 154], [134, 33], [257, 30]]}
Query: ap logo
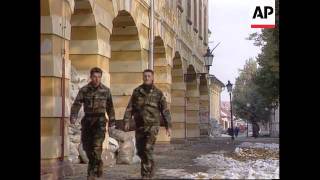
{"points": [[263, 14]]}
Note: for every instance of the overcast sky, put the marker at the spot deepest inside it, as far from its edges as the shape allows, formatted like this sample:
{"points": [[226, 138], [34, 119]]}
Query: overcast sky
{"points": [[229, 22]]}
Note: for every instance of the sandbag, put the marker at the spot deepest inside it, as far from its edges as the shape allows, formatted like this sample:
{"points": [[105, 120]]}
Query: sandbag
{"points": [[119, 135], [74, 159], [83, 155], [136, 158], [113, 145], [126, 152], [108, 158]]}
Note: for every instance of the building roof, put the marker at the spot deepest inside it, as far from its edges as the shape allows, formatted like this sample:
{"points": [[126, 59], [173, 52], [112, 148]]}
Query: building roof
{"points": [[215, 80]]}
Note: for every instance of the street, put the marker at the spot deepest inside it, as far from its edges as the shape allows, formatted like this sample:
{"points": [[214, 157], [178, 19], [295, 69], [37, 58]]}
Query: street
{"points": [[204, 158]]}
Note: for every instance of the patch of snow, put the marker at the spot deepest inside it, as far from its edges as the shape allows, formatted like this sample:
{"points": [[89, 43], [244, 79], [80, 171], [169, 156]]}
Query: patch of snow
{"points": [[221, 167], [272, 146], [228, 168], [197, 175], [225, 135]]}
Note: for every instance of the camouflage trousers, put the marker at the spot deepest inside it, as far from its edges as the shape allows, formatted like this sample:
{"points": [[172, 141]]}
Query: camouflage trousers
{"points": [[92, 136], [145, 140]]}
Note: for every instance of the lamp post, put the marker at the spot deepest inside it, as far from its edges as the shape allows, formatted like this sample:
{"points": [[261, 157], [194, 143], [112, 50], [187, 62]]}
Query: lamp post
{"points": [[269, 127], [229, 87], [273, 105], [248, 105], [208, 58]]}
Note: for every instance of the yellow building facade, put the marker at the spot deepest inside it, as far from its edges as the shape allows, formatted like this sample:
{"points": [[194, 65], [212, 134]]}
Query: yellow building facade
{"points": [[115, 36], [216, 87]]}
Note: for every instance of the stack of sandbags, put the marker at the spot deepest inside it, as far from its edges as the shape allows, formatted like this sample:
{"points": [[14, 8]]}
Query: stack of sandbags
{"points": [[136, 158], [74, 131], [83, 155], [119, 135], [113, 145], [109, 154], [121, 149], [126, 153]]}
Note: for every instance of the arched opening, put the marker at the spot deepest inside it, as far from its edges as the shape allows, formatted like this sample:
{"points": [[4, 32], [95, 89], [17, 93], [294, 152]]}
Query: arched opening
{"points": [[204, 106], [192, 109], [87, 50], [162, 79], [178, 94], [126, 64], [84, 45], [162, 67]]}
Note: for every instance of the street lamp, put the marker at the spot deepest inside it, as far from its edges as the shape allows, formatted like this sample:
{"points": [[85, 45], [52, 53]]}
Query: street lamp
{"points": [[229, 88], [248, 105], [208, 58], [273, 105], [267, 110]]}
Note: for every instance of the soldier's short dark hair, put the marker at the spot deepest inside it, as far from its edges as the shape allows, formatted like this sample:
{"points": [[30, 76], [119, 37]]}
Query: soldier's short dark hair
{"points": [[95, 70], [149, 70]]}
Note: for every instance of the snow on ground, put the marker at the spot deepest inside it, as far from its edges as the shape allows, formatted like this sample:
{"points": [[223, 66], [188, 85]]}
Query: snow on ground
{"points": [[181, 173], [222, 167], [225, 135], [228, 168], [272, 146]]}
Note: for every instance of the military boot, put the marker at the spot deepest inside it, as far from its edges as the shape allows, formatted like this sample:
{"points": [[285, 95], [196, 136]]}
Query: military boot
{"points": [[100, 169], [91, 177], [145, 177]]}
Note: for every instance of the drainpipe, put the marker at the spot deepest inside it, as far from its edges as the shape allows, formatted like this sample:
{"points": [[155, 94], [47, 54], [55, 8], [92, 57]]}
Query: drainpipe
{"points": [[209, 110], [63, 26], [150, 63], [185, 118]]}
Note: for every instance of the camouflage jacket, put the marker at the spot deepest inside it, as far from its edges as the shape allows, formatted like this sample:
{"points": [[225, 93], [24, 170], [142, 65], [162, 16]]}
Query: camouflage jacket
{"points": [[95, 100], [146, 108]]}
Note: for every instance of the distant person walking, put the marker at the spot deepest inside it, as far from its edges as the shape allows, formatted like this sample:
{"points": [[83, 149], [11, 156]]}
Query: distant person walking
{"points": [[236, 131], [255, 130]]}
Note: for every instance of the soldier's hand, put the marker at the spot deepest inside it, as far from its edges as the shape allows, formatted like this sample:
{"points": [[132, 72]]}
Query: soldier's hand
{"points": [[111, 128], [168, 132], [126, 126], [72, 120]]}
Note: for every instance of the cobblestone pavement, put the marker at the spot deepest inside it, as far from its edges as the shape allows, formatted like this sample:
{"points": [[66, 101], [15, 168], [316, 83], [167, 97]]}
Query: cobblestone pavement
{"points": [[177, 155]]}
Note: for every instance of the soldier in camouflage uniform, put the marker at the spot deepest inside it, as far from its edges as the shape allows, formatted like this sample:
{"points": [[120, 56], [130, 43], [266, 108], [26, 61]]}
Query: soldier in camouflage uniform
{"points": [[97, 100], [147, 105]]}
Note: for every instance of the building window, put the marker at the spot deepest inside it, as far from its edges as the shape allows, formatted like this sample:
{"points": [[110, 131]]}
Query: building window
{"points": [[189, 12], [195, 17]]}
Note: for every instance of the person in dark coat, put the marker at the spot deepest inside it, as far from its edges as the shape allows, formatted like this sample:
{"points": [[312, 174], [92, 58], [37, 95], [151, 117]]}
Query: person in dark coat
{"points": [[255, 130], [236, 131]]}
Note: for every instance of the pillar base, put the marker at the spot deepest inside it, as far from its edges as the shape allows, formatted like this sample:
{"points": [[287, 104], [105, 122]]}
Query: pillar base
{"points": [[55, 169]]}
